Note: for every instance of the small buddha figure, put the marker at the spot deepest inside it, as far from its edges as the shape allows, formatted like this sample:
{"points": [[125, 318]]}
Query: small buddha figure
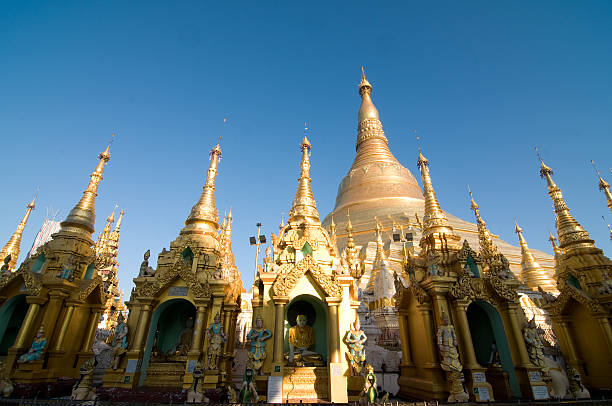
{"points": [[216, 338], [36, 350], [301, 338], [257, 342], [184, 342], [355, 340], [145, 269], [4, 270]]}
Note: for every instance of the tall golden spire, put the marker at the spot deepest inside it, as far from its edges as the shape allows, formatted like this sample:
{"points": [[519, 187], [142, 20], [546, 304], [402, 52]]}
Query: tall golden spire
{"points": [[604, 187], [118, 225], [532, 274], [570, 233], [12, 246], [488, 250], [304, 204], [82, 217], [434, 220], [351, 250], [228, 226], [204, 216]]}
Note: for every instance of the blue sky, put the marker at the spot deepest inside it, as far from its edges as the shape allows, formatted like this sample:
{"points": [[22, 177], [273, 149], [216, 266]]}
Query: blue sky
{"points": [[483, 83]]}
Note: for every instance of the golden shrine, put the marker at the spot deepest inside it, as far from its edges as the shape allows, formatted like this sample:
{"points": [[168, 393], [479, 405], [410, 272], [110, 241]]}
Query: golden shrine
{"points": [[307, 301], [52, 303], [182, 315]]}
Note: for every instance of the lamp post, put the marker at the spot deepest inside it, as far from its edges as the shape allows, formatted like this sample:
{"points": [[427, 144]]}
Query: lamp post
{"points": [[257, 241]]}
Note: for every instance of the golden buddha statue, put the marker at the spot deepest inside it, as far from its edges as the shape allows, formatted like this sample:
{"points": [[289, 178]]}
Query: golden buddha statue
{"points": [[301, 338]]}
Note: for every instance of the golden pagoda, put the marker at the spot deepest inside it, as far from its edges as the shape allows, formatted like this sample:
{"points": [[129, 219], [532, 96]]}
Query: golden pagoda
{"points": [[182, 315], [12, 246], [305, 301], [377, 185], [532, 273], [582, 313], [459, 316], [55, 298]]}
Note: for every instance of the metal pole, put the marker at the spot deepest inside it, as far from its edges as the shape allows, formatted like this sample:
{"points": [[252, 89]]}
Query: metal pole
{"points": [[257, 245]]}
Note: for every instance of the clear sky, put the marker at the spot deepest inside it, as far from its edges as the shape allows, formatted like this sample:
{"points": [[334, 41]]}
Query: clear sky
{"points": [[483, 83]]}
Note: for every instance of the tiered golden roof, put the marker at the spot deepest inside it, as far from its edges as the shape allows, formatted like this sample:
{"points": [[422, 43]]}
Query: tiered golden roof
{"points": [[12, 247], [532, 273], [204, 217], [304, 205], [82, 217]]}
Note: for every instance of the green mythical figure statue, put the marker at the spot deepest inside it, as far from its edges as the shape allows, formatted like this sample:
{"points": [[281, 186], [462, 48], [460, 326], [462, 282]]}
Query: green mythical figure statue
{"points": [[248, 392], [257, 342], [36, 350]]}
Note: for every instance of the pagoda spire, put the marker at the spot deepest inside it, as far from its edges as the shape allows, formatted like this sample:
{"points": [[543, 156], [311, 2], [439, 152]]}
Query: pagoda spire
{"points": [[488, 250], [351, 250], [118, 225], [13, 245], [434, 220], [604, 187], [204, 216], [380, 247], [82, 217], [532, 274], [570, 232], [369, 125], [304, 204]]}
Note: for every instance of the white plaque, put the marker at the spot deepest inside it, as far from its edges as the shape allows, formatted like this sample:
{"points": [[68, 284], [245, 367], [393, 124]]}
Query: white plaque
{"points": [[483, 393], [275, 389], [178, 291], [535, 376], [131, 366], [336, 370], [479, 377], [540, 392]]}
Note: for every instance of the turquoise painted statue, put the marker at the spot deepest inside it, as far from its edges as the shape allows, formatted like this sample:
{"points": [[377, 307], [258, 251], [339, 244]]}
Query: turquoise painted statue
{"points": [[355, 340], [248, 393], [119, 343], [36, 350], [216, 338], [257, 351]]}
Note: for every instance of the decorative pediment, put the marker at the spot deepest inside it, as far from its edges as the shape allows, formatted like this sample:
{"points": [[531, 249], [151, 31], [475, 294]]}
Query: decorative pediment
{"points": [[91, 285], [467, 251], [31, 281], [490, 288], [163, 279], [284, 283], [568, 292]]}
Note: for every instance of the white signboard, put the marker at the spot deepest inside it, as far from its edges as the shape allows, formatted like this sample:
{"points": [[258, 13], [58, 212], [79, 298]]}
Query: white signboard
{"points": [[540, 392], [535, 376], [178, 291], [275, 389], [479, 377], [131, 366], [336, 370], [482, 394]]}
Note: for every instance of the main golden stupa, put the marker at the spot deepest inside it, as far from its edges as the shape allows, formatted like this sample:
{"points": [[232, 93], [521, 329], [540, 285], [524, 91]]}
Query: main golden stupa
{"points": [[378, 186]]}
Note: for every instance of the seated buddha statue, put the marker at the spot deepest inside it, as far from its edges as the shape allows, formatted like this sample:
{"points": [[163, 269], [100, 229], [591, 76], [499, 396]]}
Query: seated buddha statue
{"points": [[301, 338]]}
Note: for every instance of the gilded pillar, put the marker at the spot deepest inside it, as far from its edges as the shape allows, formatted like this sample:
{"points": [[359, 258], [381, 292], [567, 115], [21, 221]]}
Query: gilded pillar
{"points": [[199, 329], [607, 331], [27, 325], [142, 327], [52, 311], [334, 329], [466, 345], [518, 336], [430, 340], [64, 328], [227, 313], [279, 326], [405, 339], [572, 354], [92, 327]]}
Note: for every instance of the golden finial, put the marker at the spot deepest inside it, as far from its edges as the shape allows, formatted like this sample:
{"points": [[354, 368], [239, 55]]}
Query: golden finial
{"points": [[204, 215], [351, 250], [604, 187], [118, 225], [488, 250], [12, 247], [367, 110], [281, 225], [332, 226], [609, 229], [82, 217], [304, 204], [532, 274], [570, 232], [434, 220]]}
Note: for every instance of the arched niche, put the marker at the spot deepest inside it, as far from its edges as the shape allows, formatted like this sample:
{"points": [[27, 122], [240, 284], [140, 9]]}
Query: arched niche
{"points": [[167, 322], [316, 311], [486, 328], [12, 314]]}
